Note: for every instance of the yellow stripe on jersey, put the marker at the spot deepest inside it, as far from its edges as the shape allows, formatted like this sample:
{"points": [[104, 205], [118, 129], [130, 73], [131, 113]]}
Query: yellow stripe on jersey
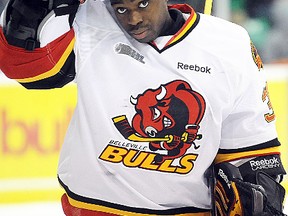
{"points": [[183, 31], [208, 7], [187, 27], [100, 208], [55, 69], [239, 155]]}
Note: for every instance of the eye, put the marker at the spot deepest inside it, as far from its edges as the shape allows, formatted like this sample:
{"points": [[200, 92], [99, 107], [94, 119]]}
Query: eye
{"points": [[121, 10], [143, 4], [157, 113]]}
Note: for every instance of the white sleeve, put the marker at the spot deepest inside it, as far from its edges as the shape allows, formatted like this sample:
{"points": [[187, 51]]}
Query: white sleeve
{"points": [[96, 15], [91, 14], [252, 120], [3, 16], [93, 24]]}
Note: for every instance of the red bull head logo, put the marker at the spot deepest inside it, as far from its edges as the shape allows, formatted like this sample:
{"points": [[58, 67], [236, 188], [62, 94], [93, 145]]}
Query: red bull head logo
{"points": [[167, 117]]}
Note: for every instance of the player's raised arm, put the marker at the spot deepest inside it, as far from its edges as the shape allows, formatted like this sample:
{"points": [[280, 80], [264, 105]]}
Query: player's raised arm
{"points": [[36, 42]]}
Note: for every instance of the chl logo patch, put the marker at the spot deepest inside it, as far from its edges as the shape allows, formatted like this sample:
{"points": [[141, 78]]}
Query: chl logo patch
{"points": [[125, 49]]}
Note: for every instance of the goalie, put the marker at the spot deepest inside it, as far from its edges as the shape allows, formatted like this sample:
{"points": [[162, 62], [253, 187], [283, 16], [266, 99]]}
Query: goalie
{"points": [[198, 80]]}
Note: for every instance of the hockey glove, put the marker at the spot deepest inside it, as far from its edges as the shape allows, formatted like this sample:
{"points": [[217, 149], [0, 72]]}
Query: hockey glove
{"points": [[24, 19], [275, 194], [234, 197]]}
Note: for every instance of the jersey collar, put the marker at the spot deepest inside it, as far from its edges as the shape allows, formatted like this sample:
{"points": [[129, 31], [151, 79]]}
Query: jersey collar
{"points": [[188, 26]]}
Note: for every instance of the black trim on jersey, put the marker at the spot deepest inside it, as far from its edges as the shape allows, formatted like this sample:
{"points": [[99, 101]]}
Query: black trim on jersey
{"points": [[65, 75], [272, 143], [182, 38], [182, 210]]}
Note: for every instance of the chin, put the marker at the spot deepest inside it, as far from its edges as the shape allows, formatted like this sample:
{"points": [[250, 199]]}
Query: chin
{"points": [[142, 40], [146, 39]]}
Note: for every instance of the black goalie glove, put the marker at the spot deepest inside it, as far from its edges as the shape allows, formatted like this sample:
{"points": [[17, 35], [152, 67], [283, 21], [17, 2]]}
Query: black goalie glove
{"points": [[234, 197], [23, 19]]}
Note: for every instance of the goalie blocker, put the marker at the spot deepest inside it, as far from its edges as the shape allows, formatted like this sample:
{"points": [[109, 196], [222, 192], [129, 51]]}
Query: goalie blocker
{"points": [[247, 190], [24, 21]]}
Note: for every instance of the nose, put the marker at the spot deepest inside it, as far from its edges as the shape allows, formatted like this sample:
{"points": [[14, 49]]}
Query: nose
{"points": [[135, 18]]}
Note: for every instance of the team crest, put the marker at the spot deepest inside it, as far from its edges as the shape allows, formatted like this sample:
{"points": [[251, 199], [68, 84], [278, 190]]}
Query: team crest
{"points": [[256, 57], [168, 119]]}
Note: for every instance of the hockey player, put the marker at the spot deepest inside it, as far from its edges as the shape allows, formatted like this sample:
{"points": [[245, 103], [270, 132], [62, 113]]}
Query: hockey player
{"points": [[173, 114]]}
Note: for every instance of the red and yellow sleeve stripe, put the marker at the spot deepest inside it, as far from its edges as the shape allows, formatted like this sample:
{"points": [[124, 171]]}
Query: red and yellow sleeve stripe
{"points": [[30, 66]]}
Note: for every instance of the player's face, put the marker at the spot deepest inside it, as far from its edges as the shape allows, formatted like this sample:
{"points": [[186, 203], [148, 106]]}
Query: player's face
{"points": [[144, 20]]}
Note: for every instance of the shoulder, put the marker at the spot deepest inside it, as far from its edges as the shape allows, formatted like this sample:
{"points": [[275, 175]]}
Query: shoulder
{"points": [[221, 28], [221, 38]]}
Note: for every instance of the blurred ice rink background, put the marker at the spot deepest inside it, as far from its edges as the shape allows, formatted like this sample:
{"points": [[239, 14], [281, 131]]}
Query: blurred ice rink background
{"points": [[29, 153], [32, 209]]}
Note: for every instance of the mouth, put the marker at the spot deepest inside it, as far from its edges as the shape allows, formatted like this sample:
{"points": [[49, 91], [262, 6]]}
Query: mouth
{"points": [[139, 34], [167, 122]]}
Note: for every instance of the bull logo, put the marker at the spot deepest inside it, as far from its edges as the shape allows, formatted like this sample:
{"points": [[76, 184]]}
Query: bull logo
{"points": [[168, 118]]}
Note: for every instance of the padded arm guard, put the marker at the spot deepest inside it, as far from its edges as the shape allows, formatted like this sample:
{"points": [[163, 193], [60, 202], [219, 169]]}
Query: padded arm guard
{"points": [[24, 21], [234, 197]]}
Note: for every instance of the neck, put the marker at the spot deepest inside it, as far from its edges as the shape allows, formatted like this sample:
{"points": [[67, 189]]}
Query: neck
{"points": [[174, 23]]}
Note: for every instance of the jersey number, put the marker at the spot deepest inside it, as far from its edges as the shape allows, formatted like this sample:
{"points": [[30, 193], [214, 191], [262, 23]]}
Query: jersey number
{"points": [[269, 117]]}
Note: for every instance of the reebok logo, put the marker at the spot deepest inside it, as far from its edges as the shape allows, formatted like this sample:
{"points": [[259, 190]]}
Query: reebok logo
{"points": [[194, 67], [264, 164], [224, 177], [125, 49]]}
